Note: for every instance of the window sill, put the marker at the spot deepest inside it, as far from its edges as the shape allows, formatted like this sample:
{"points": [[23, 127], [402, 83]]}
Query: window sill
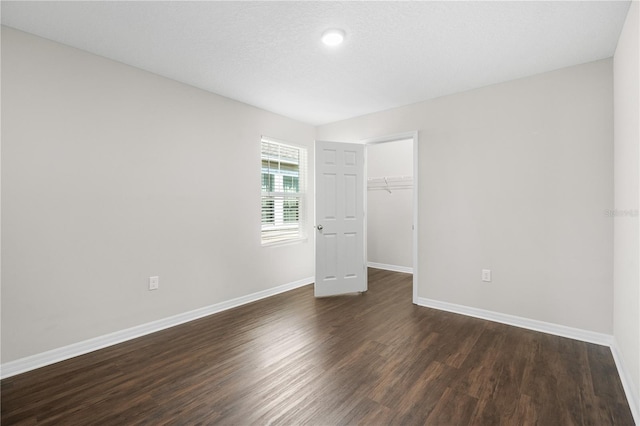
{"points": [[285, 242]]}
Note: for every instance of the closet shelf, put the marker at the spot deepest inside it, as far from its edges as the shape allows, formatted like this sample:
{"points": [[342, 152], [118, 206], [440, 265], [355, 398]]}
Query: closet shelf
{"points": [[389, 183]]}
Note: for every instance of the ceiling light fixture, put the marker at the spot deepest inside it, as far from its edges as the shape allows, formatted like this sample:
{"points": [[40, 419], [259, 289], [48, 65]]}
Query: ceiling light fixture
{"points": [[333, 37]]}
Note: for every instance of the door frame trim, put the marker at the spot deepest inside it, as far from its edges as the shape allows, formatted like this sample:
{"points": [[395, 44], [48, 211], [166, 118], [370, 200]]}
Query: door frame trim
{"points": [[392, 138]]}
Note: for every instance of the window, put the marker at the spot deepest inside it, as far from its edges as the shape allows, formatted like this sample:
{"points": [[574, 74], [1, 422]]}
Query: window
{"points": [[283, 188]]}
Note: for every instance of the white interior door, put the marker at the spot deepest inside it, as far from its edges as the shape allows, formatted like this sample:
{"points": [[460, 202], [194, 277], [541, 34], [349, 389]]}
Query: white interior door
{"points": [[340, 232]]}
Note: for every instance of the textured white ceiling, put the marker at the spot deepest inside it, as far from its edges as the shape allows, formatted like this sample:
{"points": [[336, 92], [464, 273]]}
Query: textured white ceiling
{"points": [[269, 54]]}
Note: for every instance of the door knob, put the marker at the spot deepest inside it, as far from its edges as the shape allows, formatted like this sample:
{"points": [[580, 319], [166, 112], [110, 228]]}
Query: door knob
{"points": [[319, 227]]}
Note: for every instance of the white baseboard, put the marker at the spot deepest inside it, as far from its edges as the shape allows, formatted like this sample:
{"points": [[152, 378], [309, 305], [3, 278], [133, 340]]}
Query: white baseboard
{"points": [[555, 329], [394, 268], [627, 383], [32, 362], [545, 327]]}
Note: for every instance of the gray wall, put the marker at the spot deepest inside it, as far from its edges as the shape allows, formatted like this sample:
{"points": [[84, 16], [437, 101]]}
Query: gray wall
{"points": [[110, 175], [626, 315], [516, 178]]}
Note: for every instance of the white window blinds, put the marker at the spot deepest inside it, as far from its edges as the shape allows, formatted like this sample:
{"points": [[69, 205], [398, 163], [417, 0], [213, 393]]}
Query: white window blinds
{"points": [[283, 188]]}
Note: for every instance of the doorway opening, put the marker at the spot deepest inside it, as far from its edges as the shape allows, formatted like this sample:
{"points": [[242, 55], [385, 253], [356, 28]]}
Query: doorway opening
{"points": [[392, 204]]}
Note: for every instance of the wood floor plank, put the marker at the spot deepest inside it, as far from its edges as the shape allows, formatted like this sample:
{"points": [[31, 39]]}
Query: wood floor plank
{"points": [[453, 408], [292, 359]]}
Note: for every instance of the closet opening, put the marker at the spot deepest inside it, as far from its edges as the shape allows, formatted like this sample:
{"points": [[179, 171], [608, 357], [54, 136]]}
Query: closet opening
{"points": [[391, 204]]}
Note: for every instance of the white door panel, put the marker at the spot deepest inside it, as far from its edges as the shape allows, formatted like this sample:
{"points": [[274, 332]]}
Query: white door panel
{"points": [[340, 250]]}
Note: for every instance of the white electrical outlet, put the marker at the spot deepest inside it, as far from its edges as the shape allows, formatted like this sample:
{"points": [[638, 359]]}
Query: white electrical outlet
{"points": [[486, 275], [154, 283]]}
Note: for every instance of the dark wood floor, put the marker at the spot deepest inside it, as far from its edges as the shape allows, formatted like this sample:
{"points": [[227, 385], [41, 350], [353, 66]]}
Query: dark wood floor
{"points": [[362, 359]]}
